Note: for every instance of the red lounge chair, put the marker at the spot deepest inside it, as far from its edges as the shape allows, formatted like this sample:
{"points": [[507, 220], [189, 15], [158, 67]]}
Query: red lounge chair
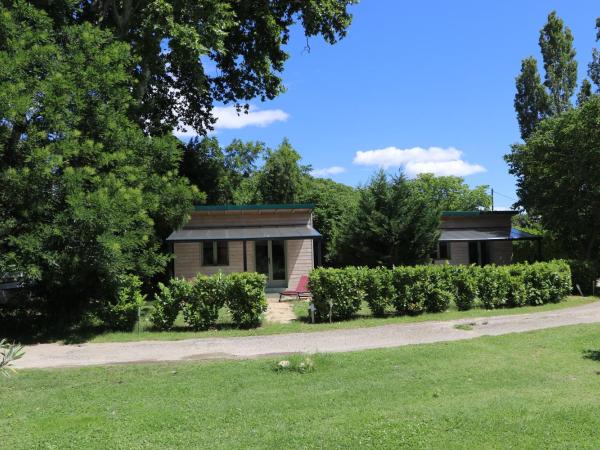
{"points": [[301, 290]]}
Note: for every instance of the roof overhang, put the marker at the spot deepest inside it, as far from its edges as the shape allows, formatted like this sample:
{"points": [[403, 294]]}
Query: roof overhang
{"points": [[485, 234], [287, 232]]}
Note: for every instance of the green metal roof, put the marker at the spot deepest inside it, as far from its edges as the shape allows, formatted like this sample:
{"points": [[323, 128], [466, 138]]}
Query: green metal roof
{"points": [[253, 207], [477, 213]]}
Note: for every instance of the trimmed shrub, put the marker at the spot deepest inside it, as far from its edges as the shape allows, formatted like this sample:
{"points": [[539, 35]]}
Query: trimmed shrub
{"points": [[493, 287], [466, 283], [584, 274], [245, 297], [336, 291], [207, 295], [517, 293], [406, 299], [166, 308], [378, 289], [422, 288], [437, 299], [414, 298], [548, 282], [414, 290], [122, 313]]}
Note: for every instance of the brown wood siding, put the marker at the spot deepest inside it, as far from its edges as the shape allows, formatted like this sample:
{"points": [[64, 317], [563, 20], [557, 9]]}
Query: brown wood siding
{"points": [[459, 253], [499, 221], [188, 259], [300, 260], [248, 218]]}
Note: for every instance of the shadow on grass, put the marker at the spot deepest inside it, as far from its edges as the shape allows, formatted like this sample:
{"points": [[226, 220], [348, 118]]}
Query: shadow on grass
{"points": [[594, 355]]}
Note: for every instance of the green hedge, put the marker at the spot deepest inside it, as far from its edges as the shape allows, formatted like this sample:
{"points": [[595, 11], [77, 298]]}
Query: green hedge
{"points": [[245, 298], [338, 293], [201, 299]]}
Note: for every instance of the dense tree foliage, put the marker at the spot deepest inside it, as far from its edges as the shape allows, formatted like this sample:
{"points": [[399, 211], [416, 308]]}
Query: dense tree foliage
{"points": [[86, 197], [557, 177], [280, 179], [220, 173], [560, 66], [533, 100], [585, 92], [333, 202], [594, 66], [451, 193], [193, 53], [390, 225]]}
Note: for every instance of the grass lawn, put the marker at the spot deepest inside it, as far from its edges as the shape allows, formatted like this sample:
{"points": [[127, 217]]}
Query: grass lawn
{"points": [[532, 390], [363, 319]]}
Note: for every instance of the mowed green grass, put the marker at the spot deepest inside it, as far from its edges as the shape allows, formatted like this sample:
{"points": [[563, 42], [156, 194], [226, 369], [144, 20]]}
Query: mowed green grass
{"points": [[362, 319], [531, 390]]}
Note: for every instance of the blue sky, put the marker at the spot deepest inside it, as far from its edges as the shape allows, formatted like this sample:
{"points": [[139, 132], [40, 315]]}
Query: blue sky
{"points": [[412, 75]]}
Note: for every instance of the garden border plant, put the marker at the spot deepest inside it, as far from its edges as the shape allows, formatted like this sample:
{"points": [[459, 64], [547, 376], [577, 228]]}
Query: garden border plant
{"points": [[201, 299], [338, 293]]}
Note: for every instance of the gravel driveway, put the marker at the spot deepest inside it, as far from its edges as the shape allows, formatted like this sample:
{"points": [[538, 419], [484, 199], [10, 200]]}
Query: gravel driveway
{"points": [[56, 355]]}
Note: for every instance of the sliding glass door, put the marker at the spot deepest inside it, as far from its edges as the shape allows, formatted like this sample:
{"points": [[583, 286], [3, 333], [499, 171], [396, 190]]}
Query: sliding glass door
{"points": [[270, 260]]}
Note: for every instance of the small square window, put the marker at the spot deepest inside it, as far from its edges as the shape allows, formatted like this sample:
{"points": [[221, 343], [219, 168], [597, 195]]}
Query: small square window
{"points": [[215, 253]]}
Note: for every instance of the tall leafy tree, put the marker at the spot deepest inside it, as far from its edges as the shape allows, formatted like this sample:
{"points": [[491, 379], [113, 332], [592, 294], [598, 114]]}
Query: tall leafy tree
{"points": [[557, 177], [451, 193], [86, 197], [220, 173], [531, 100], [585, 92], [560, 66], [390, 225], [191, 54], [280, 179], [594, 66]]}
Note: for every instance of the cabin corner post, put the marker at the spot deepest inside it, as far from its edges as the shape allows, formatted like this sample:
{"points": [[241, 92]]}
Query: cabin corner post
{"points": [[171, 260], [319, 253], [245, 255]]}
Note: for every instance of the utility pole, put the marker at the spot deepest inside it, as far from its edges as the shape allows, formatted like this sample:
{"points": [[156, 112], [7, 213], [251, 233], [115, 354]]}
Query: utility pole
{"points": [[492, 199]]}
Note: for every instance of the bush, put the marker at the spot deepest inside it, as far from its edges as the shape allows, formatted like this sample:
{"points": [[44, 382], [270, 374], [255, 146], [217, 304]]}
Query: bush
{"points": [[378, 289], [422, 288], [245, 294], [440, 289], [121, 314], [493, 287], [466, 279], [336, 291], [167, 304], [584, 274], [414, 290], [517, 293], [403, 281], [207, 295]]}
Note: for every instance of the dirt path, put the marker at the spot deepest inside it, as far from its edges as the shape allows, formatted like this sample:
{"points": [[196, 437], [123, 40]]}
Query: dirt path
{"points": [[279, 312], [55, 355]]}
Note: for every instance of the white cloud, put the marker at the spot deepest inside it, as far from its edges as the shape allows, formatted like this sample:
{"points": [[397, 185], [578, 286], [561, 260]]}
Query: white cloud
{"points": [[229, 119], [436, 160], [327, 171]]}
